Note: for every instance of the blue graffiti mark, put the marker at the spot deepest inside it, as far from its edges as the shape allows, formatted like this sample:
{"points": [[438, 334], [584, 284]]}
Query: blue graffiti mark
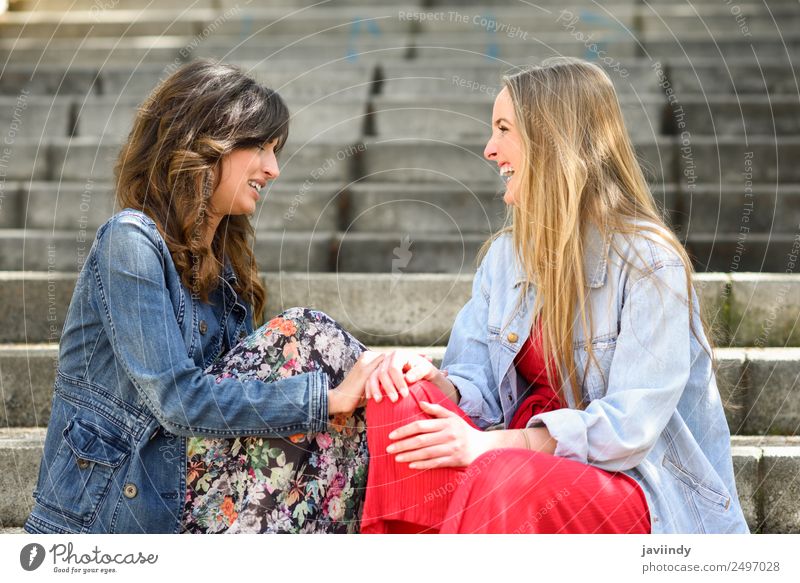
{"points": [[246, 27], [492, 48], [371, 27]]}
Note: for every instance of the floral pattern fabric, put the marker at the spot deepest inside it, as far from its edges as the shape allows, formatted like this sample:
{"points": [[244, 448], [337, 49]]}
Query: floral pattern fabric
{"points": [[304, 483]]}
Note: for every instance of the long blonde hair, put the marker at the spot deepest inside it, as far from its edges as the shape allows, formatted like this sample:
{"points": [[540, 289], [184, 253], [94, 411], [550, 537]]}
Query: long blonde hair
{"points": [[579, 168]]}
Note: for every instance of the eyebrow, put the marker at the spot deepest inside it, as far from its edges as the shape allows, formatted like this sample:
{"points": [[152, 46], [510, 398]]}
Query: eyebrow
{"points": [[497, 121]]}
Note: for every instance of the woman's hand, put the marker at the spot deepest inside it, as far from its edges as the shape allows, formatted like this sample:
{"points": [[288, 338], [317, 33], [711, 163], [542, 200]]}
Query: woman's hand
{"points": [[444, 441], [350, 395], [401, 368]]}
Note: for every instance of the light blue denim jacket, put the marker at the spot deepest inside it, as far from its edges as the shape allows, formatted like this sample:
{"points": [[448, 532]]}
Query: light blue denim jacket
{"points": [[130, 387], [654, 412]]}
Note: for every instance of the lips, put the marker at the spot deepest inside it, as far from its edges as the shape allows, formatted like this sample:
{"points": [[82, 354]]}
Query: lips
{"points": [[506, 172], [256, 186]]}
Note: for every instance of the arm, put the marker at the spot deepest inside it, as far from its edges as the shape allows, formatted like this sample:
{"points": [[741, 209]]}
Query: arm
{"points": [[648, 373], [138, 317], [467, 359]]}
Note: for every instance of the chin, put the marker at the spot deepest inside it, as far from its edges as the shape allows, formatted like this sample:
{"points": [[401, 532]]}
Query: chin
{"points": [[509, 199]]}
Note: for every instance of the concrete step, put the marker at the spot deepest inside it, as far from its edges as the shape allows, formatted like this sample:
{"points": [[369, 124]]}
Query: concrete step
{"points": [[416, 209], [733, 159], [335, 81], [746, 309], [92, 159], [310, 121], [500, 49], [40, 250], [438, 160], [705, 76], [46, 117], [460, 116], [766, 470], [177, 49], [741, 115], [81, 208], [743, 251], [249, 22], [415, 249], [759, 386], [686, 48], [423, 79]]}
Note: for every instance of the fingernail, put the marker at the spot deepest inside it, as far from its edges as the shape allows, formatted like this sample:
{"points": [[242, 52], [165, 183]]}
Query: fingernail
{"points": [[392, 435], [412, 465], [390, 449]]}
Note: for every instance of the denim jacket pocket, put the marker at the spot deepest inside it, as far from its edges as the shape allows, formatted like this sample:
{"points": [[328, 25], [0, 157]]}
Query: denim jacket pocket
{"points": [[595, 379], [83, 469], [713, 496]]}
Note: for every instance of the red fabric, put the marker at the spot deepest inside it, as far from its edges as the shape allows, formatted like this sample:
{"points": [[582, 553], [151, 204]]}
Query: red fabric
{"points": [[503, 491], [530, 364]]}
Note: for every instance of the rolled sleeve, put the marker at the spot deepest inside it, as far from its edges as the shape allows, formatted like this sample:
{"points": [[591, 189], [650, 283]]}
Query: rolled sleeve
{"points": [[647, 376], [467, 360]]}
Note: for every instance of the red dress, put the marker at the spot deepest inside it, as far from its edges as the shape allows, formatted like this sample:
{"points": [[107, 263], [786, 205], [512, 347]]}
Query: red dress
{"points": [[510, 490]]}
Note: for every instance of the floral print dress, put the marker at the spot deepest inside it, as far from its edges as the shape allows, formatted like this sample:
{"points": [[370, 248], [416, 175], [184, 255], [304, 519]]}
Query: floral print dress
{"points": [[305, 483]]}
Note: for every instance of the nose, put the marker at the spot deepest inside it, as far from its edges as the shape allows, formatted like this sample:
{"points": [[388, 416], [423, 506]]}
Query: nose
{"points": [[490, 151], [269, 164]]}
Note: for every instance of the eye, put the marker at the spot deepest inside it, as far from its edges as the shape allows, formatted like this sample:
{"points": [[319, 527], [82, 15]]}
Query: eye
{"points": [[502, 129]]}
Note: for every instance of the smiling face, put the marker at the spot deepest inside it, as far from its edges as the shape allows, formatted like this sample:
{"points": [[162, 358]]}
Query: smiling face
{"points": [[505, 146], [245, 172]]}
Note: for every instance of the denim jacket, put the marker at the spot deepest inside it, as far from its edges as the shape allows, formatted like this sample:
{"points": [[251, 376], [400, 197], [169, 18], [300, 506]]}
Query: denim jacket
{"points": [[654, 410], [130, 388]]}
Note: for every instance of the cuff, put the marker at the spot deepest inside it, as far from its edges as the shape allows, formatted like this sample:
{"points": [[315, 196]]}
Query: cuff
{"points": [[319, 384], [569, 433]]}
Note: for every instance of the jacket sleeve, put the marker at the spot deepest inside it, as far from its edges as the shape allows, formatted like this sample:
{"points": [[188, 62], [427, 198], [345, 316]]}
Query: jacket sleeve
{"points": [[467, 360], [138, 317], [648, 373]]}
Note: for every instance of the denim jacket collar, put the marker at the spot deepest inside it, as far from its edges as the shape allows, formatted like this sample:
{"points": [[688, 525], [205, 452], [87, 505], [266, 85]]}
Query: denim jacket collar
{"points": [[228, 274], [595, 259]]}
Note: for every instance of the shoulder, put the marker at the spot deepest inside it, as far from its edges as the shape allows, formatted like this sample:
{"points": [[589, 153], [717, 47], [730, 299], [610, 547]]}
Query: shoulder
{"points": [[499, 266], [129, 235], [129, 225], [647, 249]]}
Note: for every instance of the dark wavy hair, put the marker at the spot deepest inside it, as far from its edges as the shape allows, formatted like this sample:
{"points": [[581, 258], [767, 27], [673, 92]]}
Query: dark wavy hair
{"points": [[170, 165]]}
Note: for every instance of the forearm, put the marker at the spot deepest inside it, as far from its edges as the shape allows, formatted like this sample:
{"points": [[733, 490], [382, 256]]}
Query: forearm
{"points": [[448, 388], [538, 437]]}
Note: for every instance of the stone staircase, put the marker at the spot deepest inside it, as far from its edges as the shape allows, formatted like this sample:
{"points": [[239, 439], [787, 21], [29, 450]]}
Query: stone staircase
{"points": [[384, 196]]}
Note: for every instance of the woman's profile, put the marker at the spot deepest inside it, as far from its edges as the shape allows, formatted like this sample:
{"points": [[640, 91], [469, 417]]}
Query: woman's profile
{"points": [[583, 339], [171, 412]]}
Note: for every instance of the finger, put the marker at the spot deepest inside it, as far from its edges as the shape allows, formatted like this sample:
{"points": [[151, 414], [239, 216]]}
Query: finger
{"points": [[415, 427], [397, 376], [436, 410], [374, 388], [424, 453], [387, 385], [422, 371], [421, 441]]}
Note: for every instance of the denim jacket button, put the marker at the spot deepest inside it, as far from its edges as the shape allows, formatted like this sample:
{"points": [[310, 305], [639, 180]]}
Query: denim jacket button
{"points": [[82, 463], [130, 490], [203, 327], [513, 338]]}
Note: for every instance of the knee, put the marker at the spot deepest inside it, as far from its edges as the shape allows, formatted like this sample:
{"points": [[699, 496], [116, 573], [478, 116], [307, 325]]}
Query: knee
{"points": [[405, 409]]}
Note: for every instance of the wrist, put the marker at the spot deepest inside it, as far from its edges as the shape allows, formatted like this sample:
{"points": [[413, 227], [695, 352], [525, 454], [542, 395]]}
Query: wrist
{"points": [[334, 402]]}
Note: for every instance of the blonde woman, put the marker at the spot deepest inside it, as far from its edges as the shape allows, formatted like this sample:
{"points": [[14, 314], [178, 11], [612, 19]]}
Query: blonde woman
{"points": [[583, 338]]}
